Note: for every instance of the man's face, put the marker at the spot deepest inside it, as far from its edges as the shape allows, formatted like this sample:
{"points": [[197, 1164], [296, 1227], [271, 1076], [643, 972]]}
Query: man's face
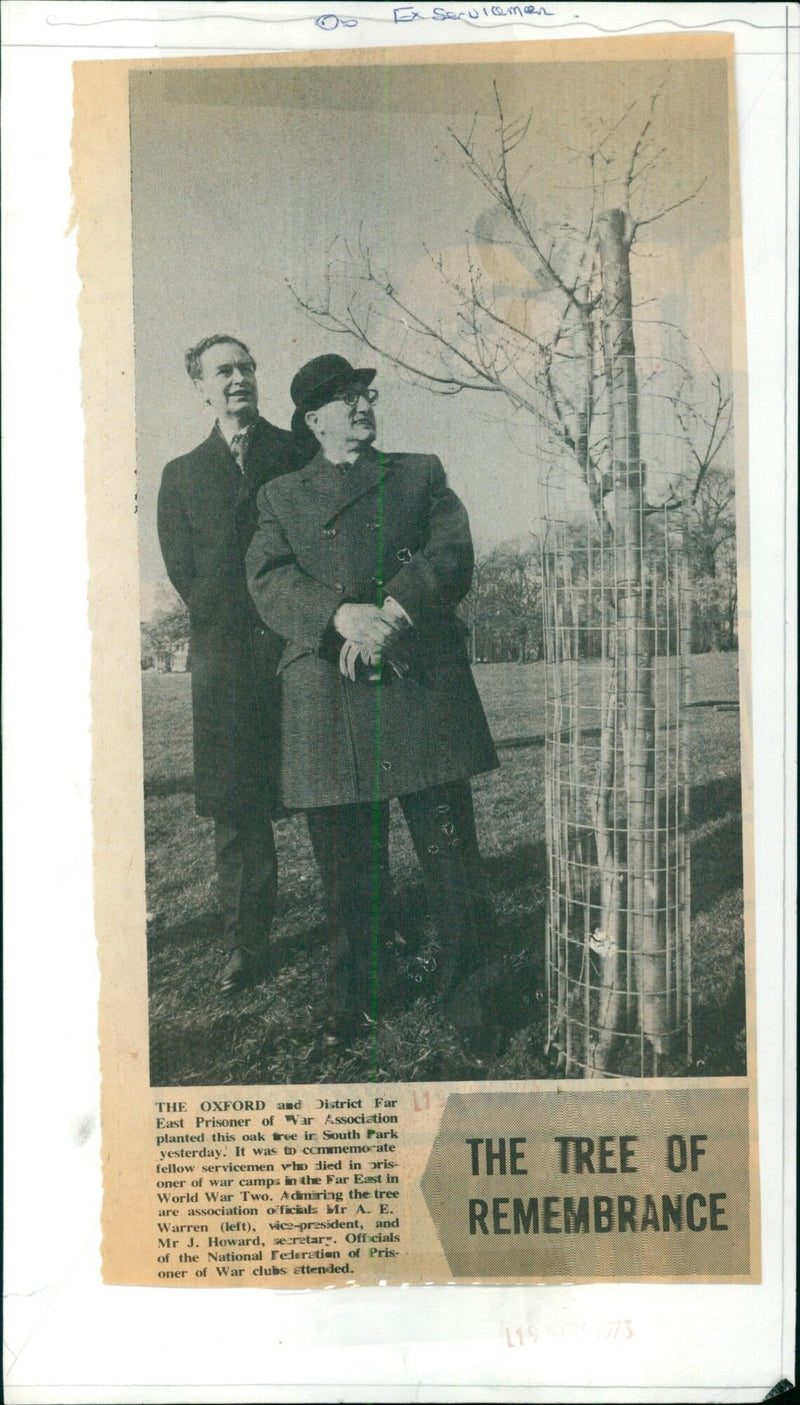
{"points": [[349, 420], [229, 381]]}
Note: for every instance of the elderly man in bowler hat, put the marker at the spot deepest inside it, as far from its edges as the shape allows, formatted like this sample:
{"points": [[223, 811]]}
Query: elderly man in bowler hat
{"points": [[206, 517], [358, 562]]}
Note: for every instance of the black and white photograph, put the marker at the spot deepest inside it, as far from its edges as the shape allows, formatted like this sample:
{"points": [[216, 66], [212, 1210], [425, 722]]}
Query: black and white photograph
{"points": [[440, 605], [399, 842]]}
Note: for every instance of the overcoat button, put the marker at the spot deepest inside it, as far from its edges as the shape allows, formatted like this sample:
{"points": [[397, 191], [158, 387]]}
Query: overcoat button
{"points": [[337, 585], [404, 554], [329, 531], [386, 765]]}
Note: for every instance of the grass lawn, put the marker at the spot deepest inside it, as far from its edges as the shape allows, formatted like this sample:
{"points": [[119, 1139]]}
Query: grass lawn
{"points": [[271, 1033]]}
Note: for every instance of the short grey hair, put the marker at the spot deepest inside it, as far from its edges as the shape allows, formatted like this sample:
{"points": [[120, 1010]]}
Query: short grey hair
{"points": [[194, 355]]}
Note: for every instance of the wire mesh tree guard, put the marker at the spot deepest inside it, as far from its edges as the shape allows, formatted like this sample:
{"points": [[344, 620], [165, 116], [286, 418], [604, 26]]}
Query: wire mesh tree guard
{"points": [[617, 617], [618, 934]]}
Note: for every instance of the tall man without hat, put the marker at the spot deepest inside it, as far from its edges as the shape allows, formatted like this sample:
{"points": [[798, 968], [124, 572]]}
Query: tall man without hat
{"points": [[358, 562], [206, 518]]}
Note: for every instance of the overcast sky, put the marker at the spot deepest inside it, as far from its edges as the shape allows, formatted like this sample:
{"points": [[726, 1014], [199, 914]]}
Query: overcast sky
{"points": [[244, 179]]}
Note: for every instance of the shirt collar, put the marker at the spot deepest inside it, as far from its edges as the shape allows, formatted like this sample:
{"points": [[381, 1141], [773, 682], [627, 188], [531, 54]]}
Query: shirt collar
{"points": [[229, 433], [345, 466]]}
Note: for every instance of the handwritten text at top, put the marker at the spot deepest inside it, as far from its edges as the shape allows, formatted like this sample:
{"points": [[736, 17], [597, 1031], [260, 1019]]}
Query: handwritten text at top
{"points": [[406, 14]]}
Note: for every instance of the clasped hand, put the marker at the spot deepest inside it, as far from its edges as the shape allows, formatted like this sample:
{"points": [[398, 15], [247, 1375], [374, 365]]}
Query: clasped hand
{"points": [[369, 634]]}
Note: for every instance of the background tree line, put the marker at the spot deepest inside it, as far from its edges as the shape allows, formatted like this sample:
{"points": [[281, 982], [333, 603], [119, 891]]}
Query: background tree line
{"points": [[503, 611]]}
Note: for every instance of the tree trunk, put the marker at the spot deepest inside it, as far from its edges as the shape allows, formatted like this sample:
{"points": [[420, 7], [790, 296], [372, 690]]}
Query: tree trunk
{"points": [[634, 643], [606, 942]]}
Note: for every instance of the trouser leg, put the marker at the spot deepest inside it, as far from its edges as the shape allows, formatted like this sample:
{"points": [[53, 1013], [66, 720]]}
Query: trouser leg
{"points": [[351, 847], [247, 875], [441, 822], [482, 926]]}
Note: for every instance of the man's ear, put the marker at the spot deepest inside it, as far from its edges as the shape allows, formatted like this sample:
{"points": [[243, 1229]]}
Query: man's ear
{"points": [[312, 420], [200, 389]]}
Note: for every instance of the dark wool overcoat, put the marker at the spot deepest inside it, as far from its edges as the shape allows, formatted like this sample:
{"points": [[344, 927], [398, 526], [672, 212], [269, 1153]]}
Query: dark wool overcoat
{"points": [[206, 519], [389, 525]]}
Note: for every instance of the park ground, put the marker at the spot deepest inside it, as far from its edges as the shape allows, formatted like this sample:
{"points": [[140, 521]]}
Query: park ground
{"points": [[272, 1033]]}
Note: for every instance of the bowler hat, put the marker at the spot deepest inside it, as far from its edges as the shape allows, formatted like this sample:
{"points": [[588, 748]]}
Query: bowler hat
{"points": [[325, 377]]}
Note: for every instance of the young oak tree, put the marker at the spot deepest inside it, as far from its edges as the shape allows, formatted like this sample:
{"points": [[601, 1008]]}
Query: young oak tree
{"points": [[561, 349]]}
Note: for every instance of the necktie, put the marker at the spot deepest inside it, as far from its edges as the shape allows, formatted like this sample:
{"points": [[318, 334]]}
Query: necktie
{"points": [[238, 446]]}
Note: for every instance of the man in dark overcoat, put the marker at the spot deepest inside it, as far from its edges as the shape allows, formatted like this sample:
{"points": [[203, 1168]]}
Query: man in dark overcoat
{"points": [[206, 519], [358, 562]]}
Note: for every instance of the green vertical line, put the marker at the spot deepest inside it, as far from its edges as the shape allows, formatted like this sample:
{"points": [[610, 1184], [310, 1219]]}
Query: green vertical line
{"points": [[376, 824], [376, 821]]}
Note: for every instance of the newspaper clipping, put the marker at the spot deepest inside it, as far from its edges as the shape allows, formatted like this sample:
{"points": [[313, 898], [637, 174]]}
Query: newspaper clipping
{"points": [[416, 415]]}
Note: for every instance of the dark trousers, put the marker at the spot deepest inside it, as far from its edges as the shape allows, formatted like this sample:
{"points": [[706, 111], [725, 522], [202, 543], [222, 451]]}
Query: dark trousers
{"points": [[247, 875], [350, 845]]}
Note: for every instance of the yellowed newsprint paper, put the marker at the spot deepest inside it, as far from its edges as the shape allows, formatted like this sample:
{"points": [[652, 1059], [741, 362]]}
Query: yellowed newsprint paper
{"points": [[398, 430], [492, 1019]]}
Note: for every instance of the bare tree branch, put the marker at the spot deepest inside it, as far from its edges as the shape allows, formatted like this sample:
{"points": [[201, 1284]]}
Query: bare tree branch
{"points": [[556, 377], [676, 205]]}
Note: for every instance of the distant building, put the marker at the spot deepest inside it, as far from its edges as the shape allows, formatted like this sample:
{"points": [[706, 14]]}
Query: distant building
{"points": [[179, 661]]}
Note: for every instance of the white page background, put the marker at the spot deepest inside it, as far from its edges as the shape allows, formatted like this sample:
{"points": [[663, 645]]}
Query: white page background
{"points": [[69, 1337]]}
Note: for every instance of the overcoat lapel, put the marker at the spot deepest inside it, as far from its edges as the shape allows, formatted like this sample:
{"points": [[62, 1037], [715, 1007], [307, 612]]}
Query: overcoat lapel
{"points": [[333, 493], [220, 461], [217, 457], [257, 463]]}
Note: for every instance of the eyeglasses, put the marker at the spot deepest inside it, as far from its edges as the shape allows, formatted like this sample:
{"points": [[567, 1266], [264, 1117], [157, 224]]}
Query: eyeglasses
{"points": [[352, 397]]}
